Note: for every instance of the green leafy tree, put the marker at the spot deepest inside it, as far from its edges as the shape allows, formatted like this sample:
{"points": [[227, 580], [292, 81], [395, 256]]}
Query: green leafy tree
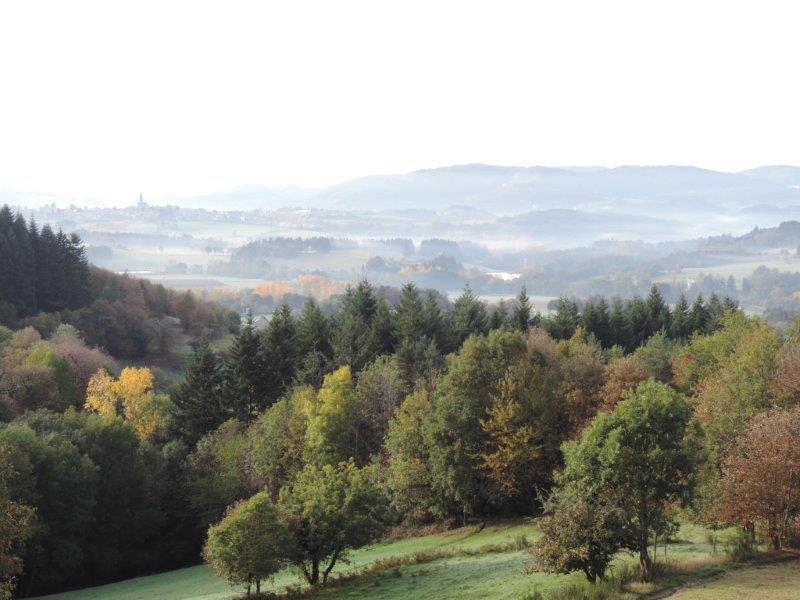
{"points": [[330, 510], [277, 437], [15, 521], [332, 433], [408, 476], [580, 532], [250, 544], [455, 437], [639, 459]]}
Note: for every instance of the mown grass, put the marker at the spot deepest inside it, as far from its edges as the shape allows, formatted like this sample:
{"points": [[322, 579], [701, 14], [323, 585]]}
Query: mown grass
{"points": [[491, 563], [197, 583], [776, 582]]}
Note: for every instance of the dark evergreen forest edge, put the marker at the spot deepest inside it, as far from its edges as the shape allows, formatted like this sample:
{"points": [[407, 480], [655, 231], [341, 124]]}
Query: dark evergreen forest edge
{"points": [[611, 420]]}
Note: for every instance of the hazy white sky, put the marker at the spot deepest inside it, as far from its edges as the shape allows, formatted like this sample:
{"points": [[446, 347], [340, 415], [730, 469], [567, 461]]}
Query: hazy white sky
{"points": [[104, 99]]}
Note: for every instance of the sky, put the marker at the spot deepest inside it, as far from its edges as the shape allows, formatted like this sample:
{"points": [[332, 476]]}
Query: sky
{"points": [[102, 100]]}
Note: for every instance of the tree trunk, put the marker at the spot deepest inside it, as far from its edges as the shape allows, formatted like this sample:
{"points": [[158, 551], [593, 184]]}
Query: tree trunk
{"points": [[314, 579], [645, 564], [330, 566]]}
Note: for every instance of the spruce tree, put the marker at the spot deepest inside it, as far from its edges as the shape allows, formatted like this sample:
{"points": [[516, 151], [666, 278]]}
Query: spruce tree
{"points": [[244, 385], [197, 406], [619, 333], [500, 317], [383, 329], [562, 325], [410, 314], [278, 354], [639, 323], [469, 316], [313, 332], [680, 326], [658, 312], [436, 324], [698, 316], [715, 313], [521, 313]]}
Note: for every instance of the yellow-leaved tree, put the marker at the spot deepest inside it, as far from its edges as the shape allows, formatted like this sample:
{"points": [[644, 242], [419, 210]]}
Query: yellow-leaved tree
{"points": [[132, 395]]}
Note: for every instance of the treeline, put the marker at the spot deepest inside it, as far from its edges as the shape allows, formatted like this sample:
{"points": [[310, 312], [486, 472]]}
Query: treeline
{"points": [[40, 271]]}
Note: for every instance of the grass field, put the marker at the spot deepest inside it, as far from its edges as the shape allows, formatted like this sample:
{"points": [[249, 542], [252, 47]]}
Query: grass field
{"points": [[496, 575], [775, 582], [197, 583], [740, 269]]}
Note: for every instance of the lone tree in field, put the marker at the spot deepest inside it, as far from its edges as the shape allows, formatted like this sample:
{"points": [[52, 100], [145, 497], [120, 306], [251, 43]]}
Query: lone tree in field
{"points": [[761, 475], [580, 533], [628, 464], [330, 509], [250, 544]]}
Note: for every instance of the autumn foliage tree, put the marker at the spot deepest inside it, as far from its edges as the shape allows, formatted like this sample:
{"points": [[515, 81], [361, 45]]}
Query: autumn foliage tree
{"points": [[761, 475], [132, 395]]}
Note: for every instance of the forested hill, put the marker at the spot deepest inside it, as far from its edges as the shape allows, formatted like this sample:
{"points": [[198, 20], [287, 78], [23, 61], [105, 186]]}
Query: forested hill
{"points": [[46, 280]]}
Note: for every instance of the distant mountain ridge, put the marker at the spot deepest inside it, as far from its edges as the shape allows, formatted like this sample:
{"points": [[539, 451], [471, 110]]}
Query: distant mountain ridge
{"points": [[510, 190]]}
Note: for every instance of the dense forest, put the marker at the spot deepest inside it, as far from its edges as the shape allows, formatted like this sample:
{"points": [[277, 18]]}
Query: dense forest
{"points": [[429, 393]]}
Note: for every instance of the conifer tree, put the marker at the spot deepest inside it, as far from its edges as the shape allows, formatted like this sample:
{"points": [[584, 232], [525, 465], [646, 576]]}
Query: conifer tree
{"points": [[681, 326], [698, 316], [618, 324], [278, 354], [500, 317], [383, 329], [469, 316], [197, 401], [658, 311], [521, 313], [313, 333], [244, 391]]}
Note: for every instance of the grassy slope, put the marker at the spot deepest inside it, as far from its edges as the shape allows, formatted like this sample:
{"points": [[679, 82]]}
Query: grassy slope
{"points": [[493, 576], [197, 583], [776, 582]]}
